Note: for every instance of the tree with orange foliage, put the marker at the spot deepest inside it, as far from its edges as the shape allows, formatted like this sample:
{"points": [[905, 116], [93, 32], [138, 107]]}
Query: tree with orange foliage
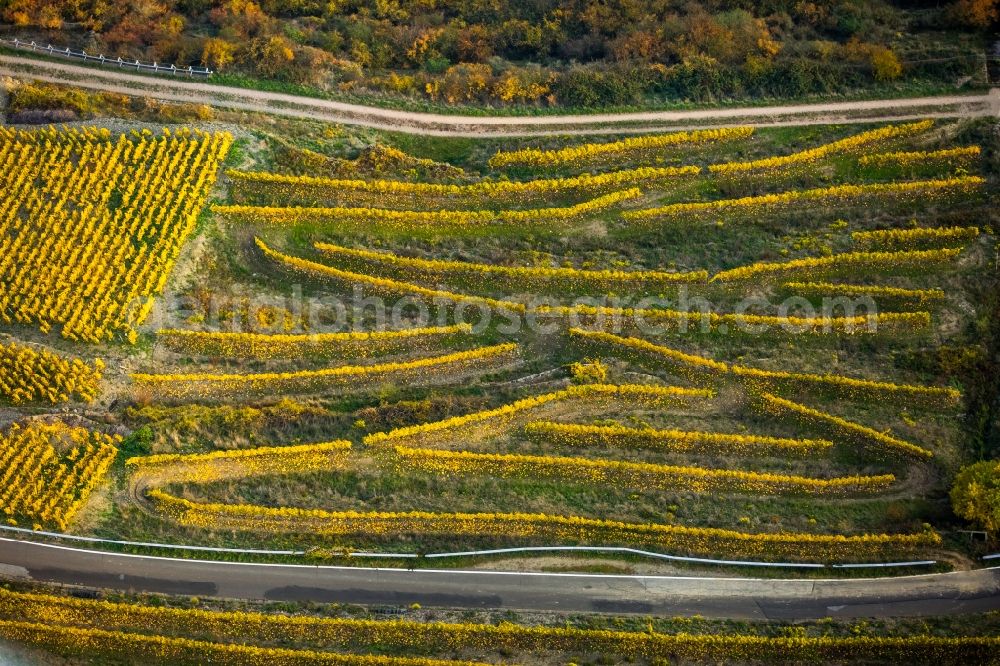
{"points": [[977, 13]]}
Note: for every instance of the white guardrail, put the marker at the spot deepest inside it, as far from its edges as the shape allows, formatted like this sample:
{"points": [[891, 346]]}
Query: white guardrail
{"points": [[137, 65], [476, 553]]}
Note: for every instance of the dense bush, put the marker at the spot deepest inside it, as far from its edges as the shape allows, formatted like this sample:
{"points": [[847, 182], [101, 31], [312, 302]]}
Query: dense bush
{"points": [[976, 494]]}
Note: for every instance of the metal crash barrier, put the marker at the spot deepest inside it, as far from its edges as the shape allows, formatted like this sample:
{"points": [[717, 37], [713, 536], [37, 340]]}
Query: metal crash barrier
{"points": [[137, 65]]}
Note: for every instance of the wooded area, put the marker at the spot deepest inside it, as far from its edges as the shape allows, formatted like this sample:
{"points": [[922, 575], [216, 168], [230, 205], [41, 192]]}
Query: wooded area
{"points": [[578, 53]]}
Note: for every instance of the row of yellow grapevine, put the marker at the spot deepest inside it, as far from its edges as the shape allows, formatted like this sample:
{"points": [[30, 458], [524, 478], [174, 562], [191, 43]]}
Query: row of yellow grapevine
{"points": [[28, 374], [890, 322], [847, 264], [503, 417], [626, 149], [327, 345], [375, 219], [448, 637], [851, 144], [495, 192], [634, 475], [239, 464], [90, 228], [435, 369], [551, 528], [148, 649], [513, 278], [894, 240], [956, 158], [699, 368], [867, 438], [41, 485], [754, 208], [885, 298], [683, 441]]}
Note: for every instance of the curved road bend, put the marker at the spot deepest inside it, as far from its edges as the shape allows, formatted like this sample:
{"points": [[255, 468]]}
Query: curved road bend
{"points": [[738, 598], [180, 90]]}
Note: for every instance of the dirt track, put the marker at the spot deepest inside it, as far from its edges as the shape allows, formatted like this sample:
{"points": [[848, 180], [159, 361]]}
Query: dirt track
{"points": [[184, 90]]}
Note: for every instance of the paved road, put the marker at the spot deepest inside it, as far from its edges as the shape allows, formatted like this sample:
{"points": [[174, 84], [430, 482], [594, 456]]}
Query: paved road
{"points": [[180, 90], [739, 598]]}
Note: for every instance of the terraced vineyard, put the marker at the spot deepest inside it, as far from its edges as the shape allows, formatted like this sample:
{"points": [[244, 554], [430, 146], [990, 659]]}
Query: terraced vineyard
{"points": [[746, 344], [122, 628]]}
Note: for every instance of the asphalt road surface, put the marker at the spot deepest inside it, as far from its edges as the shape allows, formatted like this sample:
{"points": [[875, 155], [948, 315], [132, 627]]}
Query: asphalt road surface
{"points": [[737, 598]]}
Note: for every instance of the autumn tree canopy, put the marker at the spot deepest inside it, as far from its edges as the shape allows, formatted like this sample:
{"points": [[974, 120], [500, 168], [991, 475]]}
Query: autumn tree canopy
{"points": [[568, 52], [976, 494]]}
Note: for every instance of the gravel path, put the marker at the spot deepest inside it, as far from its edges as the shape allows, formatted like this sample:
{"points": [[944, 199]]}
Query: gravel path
{"points": [[181, 90]]}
